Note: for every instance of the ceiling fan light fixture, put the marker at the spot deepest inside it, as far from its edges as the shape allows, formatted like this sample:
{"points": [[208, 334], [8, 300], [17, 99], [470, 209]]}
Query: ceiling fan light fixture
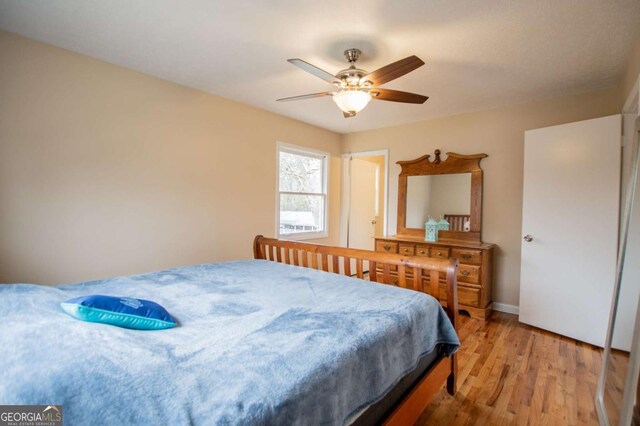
{"points": [[356, 87], [351, 101]]}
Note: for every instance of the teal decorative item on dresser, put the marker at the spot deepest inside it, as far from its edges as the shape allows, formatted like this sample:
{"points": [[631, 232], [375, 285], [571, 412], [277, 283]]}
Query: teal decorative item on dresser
{"points": [[443, 225], [431, 230]]}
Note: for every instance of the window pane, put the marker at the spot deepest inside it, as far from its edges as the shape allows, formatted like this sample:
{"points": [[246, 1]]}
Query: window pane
{"points": [[301, 213], [299, 173]]}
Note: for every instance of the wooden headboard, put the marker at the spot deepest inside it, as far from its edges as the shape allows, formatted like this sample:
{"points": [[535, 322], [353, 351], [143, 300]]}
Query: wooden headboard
{"points": [[411, 271], [456, 221]]}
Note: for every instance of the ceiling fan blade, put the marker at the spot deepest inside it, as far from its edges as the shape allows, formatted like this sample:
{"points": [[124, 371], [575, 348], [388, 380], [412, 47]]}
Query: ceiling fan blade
{"points": [[393, 70], [312, 95], [312, 69], [397, 96]]}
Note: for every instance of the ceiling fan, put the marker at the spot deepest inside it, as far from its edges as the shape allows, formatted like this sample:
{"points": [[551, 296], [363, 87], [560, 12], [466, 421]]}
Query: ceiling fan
{"points": [[356, 87]]}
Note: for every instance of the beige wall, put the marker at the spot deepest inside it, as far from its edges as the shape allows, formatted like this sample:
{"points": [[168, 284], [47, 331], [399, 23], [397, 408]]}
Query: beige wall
{"points": [[106, 171], [500, 134], [630, 74]]}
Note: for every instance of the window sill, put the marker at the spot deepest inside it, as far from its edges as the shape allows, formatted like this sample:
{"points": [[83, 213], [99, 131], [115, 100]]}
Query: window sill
{"points": [[301, 236]]}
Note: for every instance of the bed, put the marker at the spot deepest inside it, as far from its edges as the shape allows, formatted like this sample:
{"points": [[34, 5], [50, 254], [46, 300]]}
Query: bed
{"points": [[286, 338]]}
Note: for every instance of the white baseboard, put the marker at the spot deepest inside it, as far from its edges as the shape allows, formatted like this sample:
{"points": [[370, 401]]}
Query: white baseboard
{"points": [[504, 307]]}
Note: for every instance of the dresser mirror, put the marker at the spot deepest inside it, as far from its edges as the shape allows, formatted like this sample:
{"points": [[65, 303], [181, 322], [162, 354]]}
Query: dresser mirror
{"points": [[449, 188], [439, 196]]}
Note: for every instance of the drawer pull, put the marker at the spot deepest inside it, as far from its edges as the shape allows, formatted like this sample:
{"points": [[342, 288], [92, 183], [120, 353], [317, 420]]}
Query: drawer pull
{"points": [[466, 256], [464, 273], [387, 247], [406, 250], [439, 254], [421, 252]]}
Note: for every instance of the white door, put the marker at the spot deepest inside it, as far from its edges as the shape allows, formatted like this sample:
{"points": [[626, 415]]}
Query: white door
{"points": [[362, 212], [570, 211]]}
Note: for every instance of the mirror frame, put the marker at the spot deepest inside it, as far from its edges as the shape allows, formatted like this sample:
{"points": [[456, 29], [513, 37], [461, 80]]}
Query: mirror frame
{"points": [[630, 407], [455, 163]]}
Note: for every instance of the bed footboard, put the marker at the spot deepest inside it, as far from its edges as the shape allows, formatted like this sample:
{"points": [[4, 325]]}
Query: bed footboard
{"points": [[411, 272]]}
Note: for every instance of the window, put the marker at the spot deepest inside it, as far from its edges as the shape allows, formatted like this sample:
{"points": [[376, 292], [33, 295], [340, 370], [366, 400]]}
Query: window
{"points": [[302, 192]]}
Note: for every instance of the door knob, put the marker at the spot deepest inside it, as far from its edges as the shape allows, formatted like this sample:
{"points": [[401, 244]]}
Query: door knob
{"points": [[528, 238]]}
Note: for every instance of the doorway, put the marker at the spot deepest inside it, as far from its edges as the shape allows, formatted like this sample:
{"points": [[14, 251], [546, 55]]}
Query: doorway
{"points": [[364, 198]]}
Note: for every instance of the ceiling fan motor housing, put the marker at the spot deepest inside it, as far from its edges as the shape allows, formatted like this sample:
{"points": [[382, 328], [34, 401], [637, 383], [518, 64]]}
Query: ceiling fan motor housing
{"points": [[352, 76]]}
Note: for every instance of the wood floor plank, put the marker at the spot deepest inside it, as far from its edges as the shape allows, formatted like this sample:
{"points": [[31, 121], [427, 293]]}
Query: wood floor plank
{"points": [[513, 374]]}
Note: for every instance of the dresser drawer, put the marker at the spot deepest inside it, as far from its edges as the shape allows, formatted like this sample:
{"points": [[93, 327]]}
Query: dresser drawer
{"points": [[471, 257], [407, 249], [475, 271], [466, 295], [469, 274], [422, 251], [386, 247], [439, 252]]}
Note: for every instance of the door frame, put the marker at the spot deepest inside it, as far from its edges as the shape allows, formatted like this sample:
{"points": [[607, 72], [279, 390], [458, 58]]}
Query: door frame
{"points": [[345, 191]]}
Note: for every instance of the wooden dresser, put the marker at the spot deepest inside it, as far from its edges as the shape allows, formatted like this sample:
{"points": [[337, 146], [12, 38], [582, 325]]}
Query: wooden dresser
{"points": [[451, 189], [474, 274]]}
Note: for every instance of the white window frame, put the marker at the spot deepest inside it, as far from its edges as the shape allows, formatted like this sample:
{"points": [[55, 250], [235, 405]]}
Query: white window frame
{"points": [[300, 150]]}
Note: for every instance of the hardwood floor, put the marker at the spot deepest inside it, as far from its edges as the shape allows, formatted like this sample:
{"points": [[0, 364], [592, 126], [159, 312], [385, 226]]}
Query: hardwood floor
{"points": [[510, 373]]}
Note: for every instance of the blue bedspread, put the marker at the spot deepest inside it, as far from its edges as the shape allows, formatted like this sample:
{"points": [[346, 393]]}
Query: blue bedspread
{"points": [[257, 343]]}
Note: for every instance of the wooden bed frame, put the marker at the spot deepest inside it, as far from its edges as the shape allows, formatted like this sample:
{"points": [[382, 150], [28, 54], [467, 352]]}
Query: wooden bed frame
{"points": [[340, 260], [456, 221]]}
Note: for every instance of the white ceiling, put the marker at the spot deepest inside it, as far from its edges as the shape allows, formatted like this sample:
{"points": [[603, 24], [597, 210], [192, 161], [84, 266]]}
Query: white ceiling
{"points": [[478, 54]]}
